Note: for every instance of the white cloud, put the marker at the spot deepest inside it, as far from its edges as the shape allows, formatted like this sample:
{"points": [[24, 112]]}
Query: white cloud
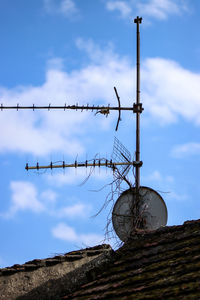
{"points": [[97, 55], [76, 210], [67, 233], [49, 196], [156, 9], [49, 200], [64, 232], [77, 176], [24, 197], [66, 8], [176, 197], [123, 7], [160, 9], [187, 149], [52, 207], [170, 91], [156, 176]]}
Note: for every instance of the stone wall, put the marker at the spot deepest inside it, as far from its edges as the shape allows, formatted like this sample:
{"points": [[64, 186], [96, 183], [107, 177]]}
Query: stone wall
{"points": [[53, 277]]}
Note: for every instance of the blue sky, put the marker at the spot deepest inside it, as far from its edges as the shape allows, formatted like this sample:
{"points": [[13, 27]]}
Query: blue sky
{"points": [[69, 51]]}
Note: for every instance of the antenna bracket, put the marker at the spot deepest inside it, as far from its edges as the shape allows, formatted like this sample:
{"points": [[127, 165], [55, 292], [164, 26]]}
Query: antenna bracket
{"points": [[138, 20], [137, 163], [137, 108]]}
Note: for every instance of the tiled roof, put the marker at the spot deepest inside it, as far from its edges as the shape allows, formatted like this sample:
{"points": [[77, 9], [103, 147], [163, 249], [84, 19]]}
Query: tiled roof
{"points": [[162, 264]]}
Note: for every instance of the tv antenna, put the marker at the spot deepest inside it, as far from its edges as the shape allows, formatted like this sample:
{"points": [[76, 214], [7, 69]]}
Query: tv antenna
{"points": [[137, 212]]}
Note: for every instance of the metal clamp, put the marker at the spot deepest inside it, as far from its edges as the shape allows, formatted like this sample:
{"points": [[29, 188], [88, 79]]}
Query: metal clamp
{"points": [[137, 163], [138, 20], [137, 108]]}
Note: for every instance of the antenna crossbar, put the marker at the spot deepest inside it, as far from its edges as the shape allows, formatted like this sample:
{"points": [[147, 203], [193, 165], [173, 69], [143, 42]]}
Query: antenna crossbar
{"points": [[65, 107], [95, 163]]}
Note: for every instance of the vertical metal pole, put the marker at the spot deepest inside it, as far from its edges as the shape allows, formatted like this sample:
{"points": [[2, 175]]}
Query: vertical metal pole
{"points": [[137, 178]]}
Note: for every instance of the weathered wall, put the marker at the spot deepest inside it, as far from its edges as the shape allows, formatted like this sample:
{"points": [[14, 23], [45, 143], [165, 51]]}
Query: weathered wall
{"points": [[50, 278]]}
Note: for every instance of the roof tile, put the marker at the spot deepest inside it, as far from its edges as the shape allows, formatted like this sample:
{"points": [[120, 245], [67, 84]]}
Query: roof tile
{"points": [[161, 264]]}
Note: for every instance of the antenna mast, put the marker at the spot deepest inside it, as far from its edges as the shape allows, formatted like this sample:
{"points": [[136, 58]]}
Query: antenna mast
{"points": [[138, 107], [138, 208]]}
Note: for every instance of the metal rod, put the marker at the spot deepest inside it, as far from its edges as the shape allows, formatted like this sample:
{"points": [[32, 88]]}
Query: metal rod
{"points": [[118, 99], [65, 107], [75, 165], [138, 21]]}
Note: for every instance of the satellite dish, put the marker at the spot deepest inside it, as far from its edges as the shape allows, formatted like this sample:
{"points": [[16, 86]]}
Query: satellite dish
{"points": [[149, 213]]}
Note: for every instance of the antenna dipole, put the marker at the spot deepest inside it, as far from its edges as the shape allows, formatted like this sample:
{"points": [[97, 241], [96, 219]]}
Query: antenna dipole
{"points": [[138, 107], [99, 108], [105, 110], [95, 163]]}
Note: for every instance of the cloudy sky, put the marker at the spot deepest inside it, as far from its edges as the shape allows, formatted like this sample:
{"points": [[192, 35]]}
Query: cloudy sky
{"points": [[75, 51]]}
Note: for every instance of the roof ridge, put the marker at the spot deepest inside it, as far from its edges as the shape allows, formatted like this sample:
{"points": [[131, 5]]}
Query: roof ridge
{"points": [[51, 261], [141, 235]]}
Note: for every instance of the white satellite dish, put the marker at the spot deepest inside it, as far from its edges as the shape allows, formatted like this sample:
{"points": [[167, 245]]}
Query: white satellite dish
{"points": [[149, 214]]}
